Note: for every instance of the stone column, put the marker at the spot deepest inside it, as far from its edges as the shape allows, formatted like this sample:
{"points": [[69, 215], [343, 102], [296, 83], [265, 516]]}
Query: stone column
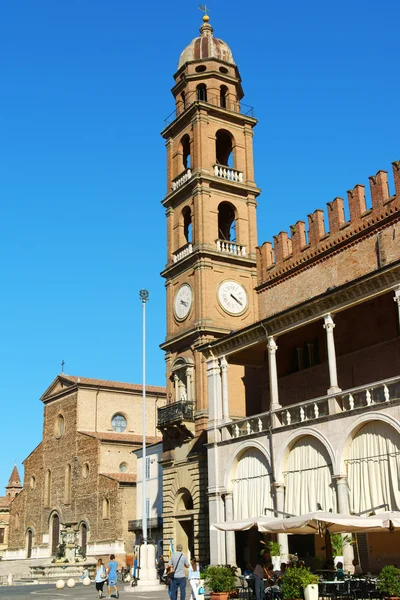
{"points": [[217, 538], [230, 535], [343, 508], [279, 488], [329, 326], [214, 390], [176, 387], [224, 385], [273, 374], [397, 300], [189, 384]]}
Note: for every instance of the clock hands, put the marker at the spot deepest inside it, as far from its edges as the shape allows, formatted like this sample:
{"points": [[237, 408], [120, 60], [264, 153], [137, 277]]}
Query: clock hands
{"points": [[237, 300], [184, 303]]}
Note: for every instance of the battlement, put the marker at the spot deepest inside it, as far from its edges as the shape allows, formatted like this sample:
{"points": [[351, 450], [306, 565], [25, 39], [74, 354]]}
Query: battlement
{"points": [[288, 253]]}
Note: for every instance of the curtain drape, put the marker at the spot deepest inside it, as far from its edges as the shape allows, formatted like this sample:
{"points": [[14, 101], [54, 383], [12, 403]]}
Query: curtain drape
{"points": [[252, 486], [373, 469], [308, 478]]}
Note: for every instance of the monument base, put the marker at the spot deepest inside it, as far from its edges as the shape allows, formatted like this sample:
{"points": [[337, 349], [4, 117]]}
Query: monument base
{"points": [[148, 581]]}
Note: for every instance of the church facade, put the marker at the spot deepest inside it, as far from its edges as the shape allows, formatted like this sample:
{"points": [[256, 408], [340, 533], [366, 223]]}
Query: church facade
{"points": [[81, 479], [283, 360]]}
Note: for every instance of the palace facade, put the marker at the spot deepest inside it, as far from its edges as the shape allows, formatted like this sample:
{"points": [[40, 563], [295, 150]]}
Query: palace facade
{"points": [[283, 360]]}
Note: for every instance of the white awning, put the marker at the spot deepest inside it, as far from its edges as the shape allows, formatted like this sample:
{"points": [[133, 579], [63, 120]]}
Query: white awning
{"points": [[318, 522], [243, 525]]}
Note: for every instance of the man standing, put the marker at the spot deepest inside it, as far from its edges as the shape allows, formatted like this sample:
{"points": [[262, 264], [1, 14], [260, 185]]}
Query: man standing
{"points": [[177, 564], [112, 576]]}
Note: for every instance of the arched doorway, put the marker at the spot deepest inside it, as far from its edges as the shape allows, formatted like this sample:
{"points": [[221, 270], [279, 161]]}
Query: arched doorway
{"points": [[55, 533], [83, 538], [184, 521], [29, 542]]}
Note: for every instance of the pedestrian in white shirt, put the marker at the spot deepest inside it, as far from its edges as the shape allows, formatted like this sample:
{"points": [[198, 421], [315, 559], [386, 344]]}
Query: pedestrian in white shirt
{"points": [[194, 579]]}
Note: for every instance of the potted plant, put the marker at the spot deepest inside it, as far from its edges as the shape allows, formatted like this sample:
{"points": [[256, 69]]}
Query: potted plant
{"points": [[275, 552], [298, 583], [220, 580], [389, 582]]}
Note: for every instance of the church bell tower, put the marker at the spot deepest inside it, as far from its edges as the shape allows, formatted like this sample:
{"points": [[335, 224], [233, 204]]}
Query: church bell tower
{"points": [[211, 265]]}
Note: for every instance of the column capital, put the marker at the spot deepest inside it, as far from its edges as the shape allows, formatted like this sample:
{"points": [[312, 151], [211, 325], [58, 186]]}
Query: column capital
{"points": [[278, 485], [212, 366], [272, 346], [176, 378], [340, 479], [224, 364], [329, 324]]}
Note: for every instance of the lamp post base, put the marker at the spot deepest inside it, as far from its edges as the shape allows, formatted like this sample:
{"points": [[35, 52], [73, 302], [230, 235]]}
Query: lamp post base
{"points": [[148, 581]]}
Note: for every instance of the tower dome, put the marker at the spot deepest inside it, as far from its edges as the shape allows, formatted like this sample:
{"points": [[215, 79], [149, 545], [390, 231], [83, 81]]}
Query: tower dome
{"points": [[206, 46]]}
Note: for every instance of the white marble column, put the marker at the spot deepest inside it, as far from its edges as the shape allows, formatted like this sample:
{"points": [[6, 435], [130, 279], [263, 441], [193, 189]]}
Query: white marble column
{"points": [[397, 300], [217, 538], [189, 383], [224, 386], [329, 326], [343, 508], [176, 387], [279, 488], [230, 535], [214, 390], [273, 374]]}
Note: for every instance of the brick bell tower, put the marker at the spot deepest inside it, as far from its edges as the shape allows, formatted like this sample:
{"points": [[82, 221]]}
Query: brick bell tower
{"points": [[211, 266]]}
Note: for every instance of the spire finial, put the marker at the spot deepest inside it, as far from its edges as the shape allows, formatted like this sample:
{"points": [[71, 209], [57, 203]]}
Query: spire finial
{"points": [[206, 28]]}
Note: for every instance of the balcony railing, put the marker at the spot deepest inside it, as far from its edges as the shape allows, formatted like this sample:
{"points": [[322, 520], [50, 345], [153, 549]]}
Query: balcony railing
{"points": [[371, 394], [230, 248], [228, 173], [228, 104], [376, 394], [182, 252], [152, 523], [173, 413], [181, 179]]}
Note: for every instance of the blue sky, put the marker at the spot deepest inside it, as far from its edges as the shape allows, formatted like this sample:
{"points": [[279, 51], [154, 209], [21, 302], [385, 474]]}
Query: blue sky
{"points": [[85, 90]]}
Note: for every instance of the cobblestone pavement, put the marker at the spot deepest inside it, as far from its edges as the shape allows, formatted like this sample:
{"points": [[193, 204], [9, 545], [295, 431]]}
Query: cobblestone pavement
{"points": [[79, 592]]}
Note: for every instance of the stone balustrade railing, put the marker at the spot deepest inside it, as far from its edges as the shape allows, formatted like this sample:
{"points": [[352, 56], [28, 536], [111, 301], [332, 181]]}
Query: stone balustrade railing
{"points": [[175, 412], [345, 401], [181, 179], [182, 252], [230, 248], [247, 426], [228, 173]]}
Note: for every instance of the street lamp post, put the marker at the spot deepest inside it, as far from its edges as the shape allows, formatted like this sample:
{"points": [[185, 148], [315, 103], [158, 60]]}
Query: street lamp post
{"points": [[144, 296]]}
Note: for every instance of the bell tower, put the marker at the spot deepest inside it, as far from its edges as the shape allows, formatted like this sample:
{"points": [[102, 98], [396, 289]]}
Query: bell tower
{"points": [[211, 263]]}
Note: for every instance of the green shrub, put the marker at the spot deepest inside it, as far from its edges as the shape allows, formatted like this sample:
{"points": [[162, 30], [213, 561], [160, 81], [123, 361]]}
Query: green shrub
{"points": [[294, 582], [389, 581], [220, 578]]}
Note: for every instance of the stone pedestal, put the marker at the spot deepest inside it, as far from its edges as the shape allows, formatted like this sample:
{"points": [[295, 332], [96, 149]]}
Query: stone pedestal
{"points": [[148, 581]]}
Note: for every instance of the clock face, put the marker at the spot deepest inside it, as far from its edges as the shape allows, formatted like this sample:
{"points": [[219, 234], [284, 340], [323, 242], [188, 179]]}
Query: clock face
{"points": [[183, 302], [232, 297]]}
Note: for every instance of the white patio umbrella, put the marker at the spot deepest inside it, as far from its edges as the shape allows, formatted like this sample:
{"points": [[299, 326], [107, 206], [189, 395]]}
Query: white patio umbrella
{"points": [[389, 520], [318, 522], [243, 525]]}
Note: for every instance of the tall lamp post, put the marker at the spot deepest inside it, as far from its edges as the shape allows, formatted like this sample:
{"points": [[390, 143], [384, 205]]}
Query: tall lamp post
{"points": [[144, 296]]}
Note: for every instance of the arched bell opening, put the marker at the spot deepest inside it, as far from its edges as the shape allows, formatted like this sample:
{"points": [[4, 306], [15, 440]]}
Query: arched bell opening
{"points": [[227, 222], [224, 145]]}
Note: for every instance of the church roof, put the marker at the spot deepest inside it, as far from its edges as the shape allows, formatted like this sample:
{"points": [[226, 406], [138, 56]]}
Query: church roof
{"points": [[206, 46], [5, 501], [14, 481], [121, 477]]}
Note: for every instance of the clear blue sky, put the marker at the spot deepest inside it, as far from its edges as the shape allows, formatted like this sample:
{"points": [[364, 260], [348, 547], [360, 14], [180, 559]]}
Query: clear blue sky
{"points": [[85, 90]]}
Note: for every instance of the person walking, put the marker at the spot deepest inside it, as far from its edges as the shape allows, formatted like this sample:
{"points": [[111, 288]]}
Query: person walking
{"points": [[100, 577], [112, 576], [161, 568], [194, 578], [177, 564]]}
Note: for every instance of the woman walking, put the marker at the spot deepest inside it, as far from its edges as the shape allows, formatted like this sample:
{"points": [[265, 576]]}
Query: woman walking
{"points": [[194, 578], [100, 578]]}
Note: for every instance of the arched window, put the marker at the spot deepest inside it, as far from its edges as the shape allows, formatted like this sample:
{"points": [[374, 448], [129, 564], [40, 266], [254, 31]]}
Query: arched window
{"points": [[185, 147], [226, 222], [252, 485], [68, 484], [224, 148], [55, 534], [223, 93], [47, 489], [106, 508], [59, 426], [83, 538], [29, 543], [202, 92], [187, 224]]}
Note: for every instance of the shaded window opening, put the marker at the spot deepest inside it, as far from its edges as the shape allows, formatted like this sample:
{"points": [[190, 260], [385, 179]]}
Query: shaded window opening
{"points": [[222, 96], [187, 224], [226, 222], [47, 489], [185, 142], [224, 148], [183, 98], [55, 534], [185, 502], [202, 92]]}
